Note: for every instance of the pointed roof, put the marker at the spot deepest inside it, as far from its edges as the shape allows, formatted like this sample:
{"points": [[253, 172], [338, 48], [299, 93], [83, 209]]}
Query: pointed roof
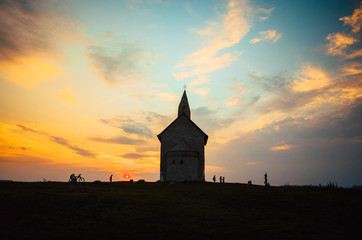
{"points": [[192, 123], [184, 107]]}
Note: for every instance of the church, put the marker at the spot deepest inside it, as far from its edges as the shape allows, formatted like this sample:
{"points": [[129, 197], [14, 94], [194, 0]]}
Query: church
{"points": [[182, 148]]}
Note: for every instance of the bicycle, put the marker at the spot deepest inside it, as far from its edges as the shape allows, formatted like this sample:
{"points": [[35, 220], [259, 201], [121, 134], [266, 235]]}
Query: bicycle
{"points": [[78, 178]]}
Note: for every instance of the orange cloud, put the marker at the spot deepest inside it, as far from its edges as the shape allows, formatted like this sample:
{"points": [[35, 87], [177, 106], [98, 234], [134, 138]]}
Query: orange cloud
{"points": [[338, 42], [355, 20], [281, 147], [310, 78]]}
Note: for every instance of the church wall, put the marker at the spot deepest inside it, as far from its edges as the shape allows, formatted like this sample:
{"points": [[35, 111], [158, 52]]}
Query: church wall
{"points": [[182, 129], [181, 169]]}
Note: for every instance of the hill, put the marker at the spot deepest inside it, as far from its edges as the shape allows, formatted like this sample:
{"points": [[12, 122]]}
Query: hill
{"points": [[177, 211]]}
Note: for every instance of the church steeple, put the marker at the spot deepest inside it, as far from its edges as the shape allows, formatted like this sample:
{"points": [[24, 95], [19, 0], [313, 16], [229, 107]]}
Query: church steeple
{"points": [[184, 106]]}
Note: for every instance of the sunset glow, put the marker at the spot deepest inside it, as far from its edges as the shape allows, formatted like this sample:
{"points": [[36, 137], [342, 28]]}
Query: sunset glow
{"points": [[86, 86]]}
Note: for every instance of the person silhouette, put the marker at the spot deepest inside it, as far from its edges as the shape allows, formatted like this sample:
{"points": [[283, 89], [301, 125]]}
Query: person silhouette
{"points": [[223, 179], [220, 179], [214, 178], [110, 178], [266, 179]]}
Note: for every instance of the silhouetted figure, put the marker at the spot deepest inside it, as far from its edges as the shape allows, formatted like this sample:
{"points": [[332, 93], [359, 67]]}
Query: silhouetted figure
{"points": [[266, 179], [214, 178], [110, 178], [223, 179], [220, 179], [72, 178]]}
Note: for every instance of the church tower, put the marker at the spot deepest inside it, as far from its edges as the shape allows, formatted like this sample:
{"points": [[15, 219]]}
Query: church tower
{"points": [[182, 148]]}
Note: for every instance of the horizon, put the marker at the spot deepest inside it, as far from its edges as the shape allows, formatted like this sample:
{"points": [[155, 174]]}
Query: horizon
{"points": [[86, 87]]}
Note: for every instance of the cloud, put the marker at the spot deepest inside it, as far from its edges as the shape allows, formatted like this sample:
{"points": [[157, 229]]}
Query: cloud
{"points": [[24, 28], [338, 42], [26, 129], [217, 36], [80, 151], [281, 147], [30, 33], [320, 149], [310, 78], [120, 64], [23, 160], [265, 12], [269, 35], [188, 7], [352, 68], [118, 140], [208, 119], [148, 149], [21, 148], [354, 54], [311, 89], [271, 83], [133, 155], [355, 20], [138, 129], [129, 125]]}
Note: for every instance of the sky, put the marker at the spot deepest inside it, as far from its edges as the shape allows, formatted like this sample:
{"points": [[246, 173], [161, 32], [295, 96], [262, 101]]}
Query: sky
{"points": [[86, 86]]}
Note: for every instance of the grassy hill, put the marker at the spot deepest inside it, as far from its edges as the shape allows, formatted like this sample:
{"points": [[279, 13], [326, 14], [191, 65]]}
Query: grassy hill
{"points": [[177, 211]]}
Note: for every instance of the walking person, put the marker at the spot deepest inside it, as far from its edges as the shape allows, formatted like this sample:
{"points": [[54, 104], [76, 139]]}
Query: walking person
{"points": [[214, 178], [220, 179], [110, 178], [223, 179]]}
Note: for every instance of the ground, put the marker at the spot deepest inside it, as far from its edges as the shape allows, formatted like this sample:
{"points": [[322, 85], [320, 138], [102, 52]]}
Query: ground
{"points": [[177, 211]]}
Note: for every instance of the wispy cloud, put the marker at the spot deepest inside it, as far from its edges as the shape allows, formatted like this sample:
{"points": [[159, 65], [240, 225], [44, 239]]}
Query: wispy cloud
{"points": [[121, 63], [118, 140], [269, 35], [133, 155], [61, 141], [217, 36], [26, 129], [282, 147], [23, 28], [264, 12], [31, 32], [80, 151], [130, 126]]}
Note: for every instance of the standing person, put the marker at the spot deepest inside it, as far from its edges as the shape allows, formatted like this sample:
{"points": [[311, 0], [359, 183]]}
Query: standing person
{"points": [[220, 179], [110, 178], [223, 179], [266, 179], [214, 178]]}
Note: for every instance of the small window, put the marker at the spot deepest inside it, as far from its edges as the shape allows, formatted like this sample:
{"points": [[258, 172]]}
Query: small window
{"points": [[182, 162]]}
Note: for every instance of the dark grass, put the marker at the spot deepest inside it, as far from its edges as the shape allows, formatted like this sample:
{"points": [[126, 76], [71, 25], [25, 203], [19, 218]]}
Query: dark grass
{"points": [[177, 211]]}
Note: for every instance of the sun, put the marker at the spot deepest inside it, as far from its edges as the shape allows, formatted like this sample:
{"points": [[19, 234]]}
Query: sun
{"points": [[126, 176]]}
